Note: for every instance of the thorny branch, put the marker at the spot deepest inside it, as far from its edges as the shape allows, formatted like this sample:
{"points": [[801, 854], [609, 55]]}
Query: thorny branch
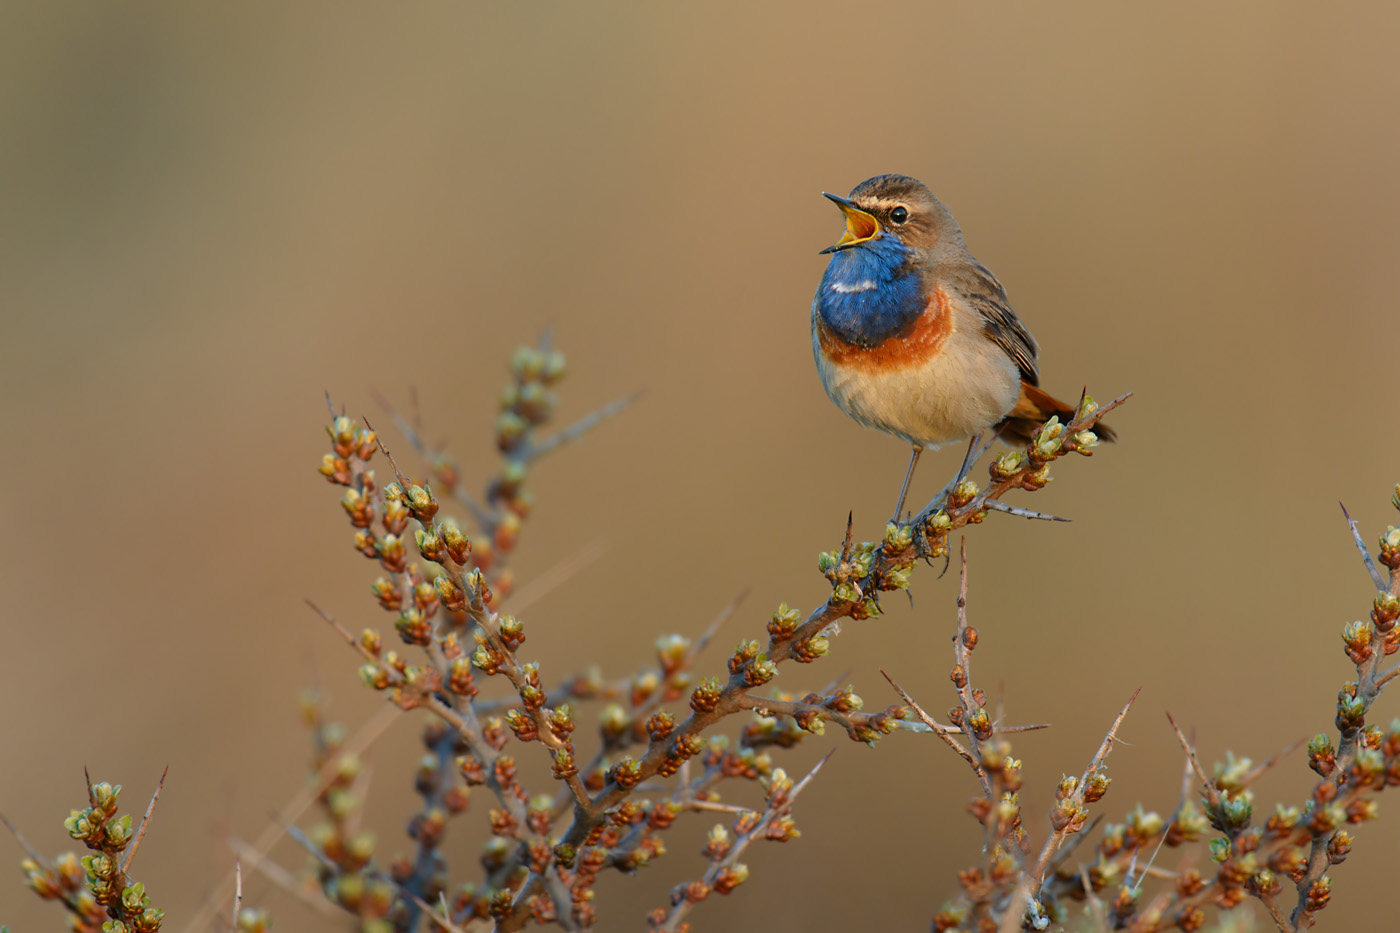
{"points": [[542, 859], [545, 854]]}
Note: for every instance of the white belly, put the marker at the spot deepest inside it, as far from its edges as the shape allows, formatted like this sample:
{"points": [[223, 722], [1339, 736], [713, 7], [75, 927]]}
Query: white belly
{"points": [[965, 389]]}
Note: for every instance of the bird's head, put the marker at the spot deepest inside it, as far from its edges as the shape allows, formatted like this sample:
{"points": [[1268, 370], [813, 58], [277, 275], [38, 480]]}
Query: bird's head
{"points": [[899, 207]]}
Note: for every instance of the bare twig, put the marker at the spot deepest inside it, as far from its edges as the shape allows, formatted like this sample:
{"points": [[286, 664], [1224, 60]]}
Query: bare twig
{"points": [[580, 427], [483, 516], [1254, 773], [1275, 912], [1148, 868], [280, 877], [1032, 882], [997, 505], [541, 586], [1096, 763], [942, 732], [698, 804], [1066, 850], [962, 657], [145, 822], [363, 738], [904, 726], [237, 890], [398, 474], [1376, 577], [24, 843], [1095, 904], [443, 922], [344, 633], [1212, 792]]}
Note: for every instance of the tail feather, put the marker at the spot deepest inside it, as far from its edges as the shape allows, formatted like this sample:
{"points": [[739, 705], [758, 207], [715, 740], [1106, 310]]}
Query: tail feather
{"points": [[1032, 409]]}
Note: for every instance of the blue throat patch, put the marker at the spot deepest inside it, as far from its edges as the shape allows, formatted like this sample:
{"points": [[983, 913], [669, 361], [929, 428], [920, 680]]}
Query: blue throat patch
{"points": [[870, 292]]}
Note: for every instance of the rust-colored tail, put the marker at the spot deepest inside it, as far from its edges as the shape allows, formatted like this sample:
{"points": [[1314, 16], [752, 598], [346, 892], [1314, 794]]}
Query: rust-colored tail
{"points": [[1033, 409]]}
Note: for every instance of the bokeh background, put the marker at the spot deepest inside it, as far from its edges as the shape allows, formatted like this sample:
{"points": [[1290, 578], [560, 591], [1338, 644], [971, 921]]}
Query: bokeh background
{"points": [[213, 215]]}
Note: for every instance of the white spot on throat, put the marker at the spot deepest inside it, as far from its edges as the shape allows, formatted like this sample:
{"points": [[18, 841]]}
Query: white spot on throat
{"points": [[846, 289]]}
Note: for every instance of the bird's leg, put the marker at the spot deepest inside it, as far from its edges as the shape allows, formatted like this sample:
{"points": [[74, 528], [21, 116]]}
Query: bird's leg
{"points": [[975, 450], [904, 490], [973, 453]]}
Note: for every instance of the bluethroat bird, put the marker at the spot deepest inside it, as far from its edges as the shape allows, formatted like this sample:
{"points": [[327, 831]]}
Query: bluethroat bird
{"points": [[915, 337]]}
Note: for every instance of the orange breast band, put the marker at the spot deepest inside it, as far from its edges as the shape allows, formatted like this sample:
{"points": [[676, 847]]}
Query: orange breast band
{"points": [[914, 346]]}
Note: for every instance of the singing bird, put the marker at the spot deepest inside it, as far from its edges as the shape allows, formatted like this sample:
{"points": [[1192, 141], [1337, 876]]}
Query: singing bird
{"points": [[915, 337]]}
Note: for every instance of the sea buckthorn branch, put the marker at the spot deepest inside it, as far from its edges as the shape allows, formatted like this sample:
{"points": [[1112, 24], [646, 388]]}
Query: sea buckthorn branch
{"points": [[630, 836], [1069, 813], [63, 880], [1240, 857], [1366, 760], [1299, 846], [459, 591], [1296, 845], [443, 796], [96, 890], [533, 871], [621, 728], [857, 575], [442, 921], [254, 855], [462, 588], [497, 635], [808, 714], [1120, 853], [497, 638], [725, 871], [411, 687], [971, 711], [1007, 890], [343, 868]]}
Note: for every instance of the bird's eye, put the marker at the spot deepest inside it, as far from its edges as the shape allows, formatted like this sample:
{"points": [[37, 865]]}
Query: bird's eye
{"points": [[899, 215]]}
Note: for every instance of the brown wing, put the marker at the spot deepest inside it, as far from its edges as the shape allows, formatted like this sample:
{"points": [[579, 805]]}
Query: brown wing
{"points": [[1000, 323]]}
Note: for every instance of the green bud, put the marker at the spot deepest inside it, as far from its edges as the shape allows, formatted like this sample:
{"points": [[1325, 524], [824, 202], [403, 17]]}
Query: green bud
{"points": [[760, 671], [1351, 713], [898, 537], [118, 832], [1369, 767], [1096, 788], [1068, 785], [1007, 465], [845, 593]]}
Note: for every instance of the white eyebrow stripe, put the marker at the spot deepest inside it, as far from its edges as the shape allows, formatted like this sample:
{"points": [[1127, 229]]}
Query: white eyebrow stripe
{"points": [[845, 289]]}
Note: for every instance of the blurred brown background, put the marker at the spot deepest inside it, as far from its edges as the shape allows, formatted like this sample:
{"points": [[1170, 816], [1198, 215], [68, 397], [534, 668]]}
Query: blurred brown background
{"points": [[211, 216]]}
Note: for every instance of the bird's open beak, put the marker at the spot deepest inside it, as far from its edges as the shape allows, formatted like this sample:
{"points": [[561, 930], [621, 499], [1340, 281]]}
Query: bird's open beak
{"points": [[860, 226]]}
